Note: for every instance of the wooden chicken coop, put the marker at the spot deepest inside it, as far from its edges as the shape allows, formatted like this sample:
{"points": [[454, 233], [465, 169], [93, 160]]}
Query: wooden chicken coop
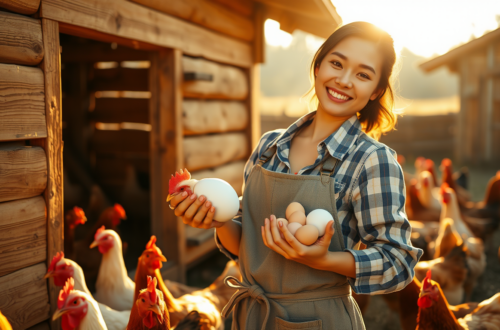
{"points": [[478, 65], [133, 91]]}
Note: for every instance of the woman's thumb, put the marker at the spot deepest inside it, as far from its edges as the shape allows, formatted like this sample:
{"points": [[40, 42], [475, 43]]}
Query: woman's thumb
{"points": [[330, 231]]}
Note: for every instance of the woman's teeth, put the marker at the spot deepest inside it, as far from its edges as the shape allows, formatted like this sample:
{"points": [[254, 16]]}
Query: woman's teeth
{"points": [[337, 95]]}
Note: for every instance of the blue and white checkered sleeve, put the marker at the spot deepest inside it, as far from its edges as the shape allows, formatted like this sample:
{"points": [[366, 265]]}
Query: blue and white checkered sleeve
{"points": [[378, 200]]}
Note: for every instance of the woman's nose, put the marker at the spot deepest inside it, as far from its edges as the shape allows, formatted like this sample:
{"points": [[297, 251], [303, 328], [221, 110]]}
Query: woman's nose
{"points": [[344, 81]]}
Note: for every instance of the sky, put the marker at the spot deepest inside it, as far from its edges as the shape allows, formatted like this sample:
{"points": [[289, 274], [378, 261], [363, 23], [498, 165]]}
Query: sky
{"points": [[425, 27]]}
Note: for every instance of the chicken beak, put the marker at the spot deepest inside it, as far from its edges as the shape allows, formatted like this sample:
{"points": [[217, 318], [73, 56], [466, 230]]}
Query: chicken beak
{"points": [[162, 258], [58, 313], [169, 197], [49, 275], [94, 244], [156, 309]]}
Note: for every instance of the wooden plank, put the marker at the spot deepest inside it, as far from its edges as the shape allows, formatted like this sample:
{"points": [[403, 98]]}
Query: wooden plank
{"points": [[92, 51], [23, 172], [201, 152], [20, 39], [232, 173], [53, 144], [118, 110], [193, 253], [259, 42], [23, 234], [119, 79], [166, 152], [242, 7], [26, 7], [207, 14], [201, 117], [40, 326], [122, 141], [228, 82], [132, 21], [25, 301], [254, 129], [22, 107]]}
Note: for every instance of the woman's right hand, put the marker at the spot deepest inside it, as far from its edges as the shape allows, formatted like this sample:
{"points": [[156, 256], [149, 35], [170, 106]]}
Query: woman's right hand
{"points": [[195, 212]]}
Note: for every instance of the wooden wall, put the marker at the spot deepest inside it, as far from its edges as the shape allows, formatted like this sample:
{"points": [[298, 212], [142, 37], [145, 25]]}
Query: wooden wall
{"points": [[30, 162]]}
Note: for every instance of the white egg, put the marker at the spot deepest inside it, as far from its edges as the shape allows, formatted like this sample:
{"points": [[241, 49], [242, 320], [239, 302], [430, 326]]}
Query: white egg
{"points": [[223, 197], [319, 218]]}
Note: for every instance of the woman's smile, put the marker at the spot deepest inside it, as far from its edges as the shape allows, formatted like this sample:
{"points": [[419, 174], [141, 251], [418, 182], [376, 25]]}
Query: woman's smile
{"points": [[337, 96]]}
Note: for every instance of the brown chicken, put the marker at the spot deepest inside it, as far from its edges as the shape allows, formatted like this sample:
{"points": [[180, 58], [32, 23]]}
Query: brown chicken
{"points": [[149, 264], [435, 312], [447, 170], [72, 219], [414, 208]]}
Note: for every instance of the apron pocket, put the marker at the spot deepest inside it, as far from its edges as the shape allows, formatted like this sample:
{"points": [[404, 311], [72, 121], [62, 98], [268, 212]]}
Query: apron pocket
{"points": [[309, 325]]}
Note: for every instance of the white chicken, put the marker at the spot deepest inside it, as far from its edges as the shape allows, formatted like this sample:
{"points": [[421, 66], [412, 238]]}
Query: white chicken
{"points": [[220, 193], [113, 286], [428, 194]]}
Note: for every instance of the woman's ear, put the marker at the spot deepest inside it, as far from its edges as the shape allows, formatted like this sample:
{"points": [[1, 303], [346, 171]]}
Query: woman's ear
{"points": [[316, 69], [376, 94]]}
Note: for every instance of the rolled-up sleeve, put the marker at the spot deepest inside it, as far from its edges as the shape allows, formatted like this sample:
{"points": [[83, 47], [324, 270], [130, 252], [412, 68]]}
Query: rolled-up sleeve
{"points": [[378, 200]]}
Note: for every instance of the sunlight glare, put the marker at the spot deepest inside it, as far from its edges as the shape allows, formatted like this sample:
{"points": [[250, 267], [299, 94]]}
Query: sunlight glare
{"points": [[275, 36]]}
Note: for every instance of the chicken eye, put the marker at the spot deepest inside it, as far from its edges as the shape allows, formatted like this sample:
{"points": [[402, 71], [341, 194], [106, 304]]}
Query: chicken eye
{"points": [[75, 302], [147, 255], [143, 300]]}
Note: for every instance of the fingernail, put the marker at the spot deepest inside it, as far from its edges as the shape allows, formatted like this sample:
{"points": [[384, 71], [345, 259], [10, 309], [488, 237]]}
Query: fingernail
{"points": [[280, 223], [273, 217], [184, 194], [193, 197], [202, 199], [212, 209], [207, 204]]}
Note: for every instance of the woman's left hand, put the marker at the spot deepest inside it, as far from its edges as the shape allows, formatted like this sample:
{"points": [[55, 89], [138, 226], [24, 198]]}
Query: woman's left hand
{"points": [[314, 256]]}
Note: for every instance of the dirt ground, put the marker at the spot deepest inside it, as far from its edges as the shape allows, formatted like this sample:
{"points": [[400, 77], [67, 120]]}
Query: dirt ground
{"points": [[378, 316]]}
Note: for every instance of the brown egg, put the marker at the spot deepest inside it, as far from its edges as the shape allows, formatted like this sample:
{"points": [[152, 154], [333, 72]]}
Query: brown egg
{"points": [[307, 234], [285, 221], [292, 208], [293, 226], [299, 217]]}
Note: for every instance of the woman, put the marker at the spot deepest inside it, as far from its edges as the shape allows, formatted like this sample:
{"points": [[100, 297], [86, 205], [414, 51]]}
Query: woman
{"points": [[324, 160]]}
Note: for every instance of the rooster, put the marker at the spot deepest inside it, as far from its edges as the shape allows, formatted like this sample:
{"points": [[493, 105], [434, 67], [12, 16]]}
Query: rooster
{"points": [[435, 313], [113, 287], [149, 264], [62, 269], [428, 193], [78, 310], [4, 323], [415, 209], [463, 195], [73, 218]]}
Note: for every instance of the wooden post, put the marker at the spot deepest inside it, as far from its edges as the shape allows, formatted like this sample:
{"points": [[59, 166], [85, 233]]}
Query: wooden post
{"points": [[53, 145], [166, 153], [489, 104]]}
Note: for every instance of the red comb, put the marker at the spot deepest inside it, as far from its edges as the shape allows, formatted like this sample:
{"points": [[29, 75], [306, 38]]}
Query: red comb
{"points": [[446, 162], [98, 232], [401, 159], [65, 291], [429, 164], [178, 178], [152, 242], [426, 283], [444, 186], [79, 212], [120, 210], [152, 281], [55, 260]]}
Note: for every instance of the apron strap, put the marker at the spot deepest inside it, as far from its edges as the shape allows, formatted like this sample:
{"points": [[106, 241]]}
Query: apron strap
{"points": [[267, 155], [328, 169]]}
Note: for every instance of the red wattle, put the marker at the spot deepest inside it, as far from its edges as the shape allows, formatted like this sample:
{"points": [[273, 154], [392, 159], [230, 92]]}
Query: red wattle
{"points": [[424, 302]]}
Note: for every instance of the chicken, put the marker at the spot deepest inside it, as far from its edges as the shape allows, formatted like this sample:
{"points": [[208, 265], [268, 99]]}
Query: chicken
{"points": [[62, 269], [423, 236], [90, 259], [149, 264], [429, 167], [435, 313], [428, 193], [220, 193], [78, 310], [463, 195], [113, 287], [73, 218], [4, 323], [415, 209]]}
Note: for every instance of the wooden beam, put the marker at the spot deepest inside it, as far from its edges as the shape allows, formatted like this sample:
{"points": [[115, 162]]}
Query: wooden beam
{"points": [[26, 7], [166, 152], [202, 117], [231, 173], [259, 42], [22, 107], [207, 14], [53, 145], [24, 297], [23, 172], [121, 141], [228, 82], [242, 7], [118, 110], [23, 234], [20, 39], [131, 21], [206, 151], [91, 51], [119, 79], [300, 8], [254, 130]]}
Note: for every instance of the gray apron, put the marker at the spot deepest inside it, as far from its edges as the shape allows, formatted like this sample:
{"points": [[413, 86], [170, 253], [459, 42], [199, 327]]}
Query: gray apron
{"points": [[277, 293]]}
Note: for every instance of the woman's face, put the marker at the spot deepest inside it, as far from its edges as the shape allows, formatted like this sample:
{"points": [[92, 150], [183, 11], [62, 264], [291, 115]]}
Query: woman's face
{"points": [[348, 76]]}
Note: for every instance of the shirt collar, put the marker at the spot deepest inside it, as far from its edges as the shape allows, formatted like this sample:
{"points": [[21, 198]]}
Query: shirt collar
{"points": [[337, 144]]}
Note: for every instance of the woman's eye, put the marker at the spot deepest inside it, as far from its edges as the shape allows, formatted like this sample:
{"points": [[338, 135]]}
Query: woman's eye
{"points": [[364, 75], [336, 63]]}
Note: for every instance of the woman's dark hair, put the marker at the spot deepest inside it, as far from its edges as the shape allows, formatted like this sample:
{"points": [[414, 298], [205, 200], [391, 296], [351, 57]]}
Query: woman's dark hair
{"points": [[377, 117]]}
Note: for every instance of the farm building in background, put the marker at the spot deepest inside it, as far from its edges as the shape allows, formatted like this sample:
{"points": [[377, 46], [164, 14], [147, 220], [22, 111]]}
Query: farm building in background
{"points": [[478, 123], [133, 90]]}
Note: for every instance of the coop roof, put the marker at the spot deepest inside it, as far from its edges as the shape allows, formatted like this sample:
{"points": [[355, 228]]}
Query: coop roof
{"points": [[318, 17], [455, 54]]}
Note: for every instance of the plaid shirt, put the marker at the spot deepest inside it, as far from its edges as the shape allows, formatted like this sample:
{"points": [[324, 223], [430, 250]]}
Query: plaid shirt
{"points": [[370, 197]]}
